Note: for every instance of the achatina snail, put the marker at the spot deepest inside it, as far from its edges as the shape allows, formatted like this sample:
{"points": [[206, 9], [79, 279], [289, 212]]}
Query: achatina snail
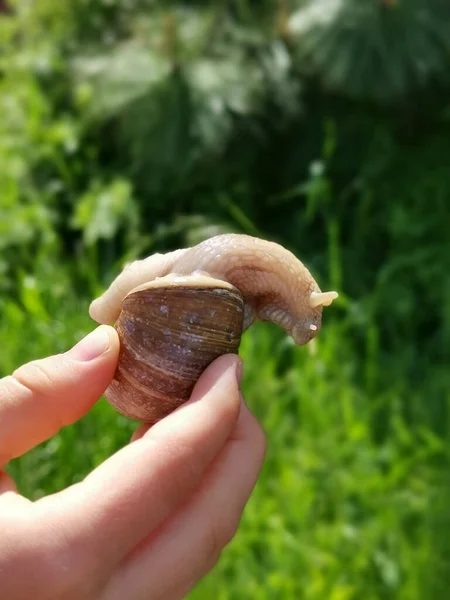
{"points": [[176, 313]]}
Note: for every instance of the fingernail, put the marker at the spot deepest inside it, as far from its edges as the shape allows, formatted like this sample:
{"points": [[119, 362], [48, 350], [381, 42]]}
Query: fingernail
{"points": [[92, 346]]}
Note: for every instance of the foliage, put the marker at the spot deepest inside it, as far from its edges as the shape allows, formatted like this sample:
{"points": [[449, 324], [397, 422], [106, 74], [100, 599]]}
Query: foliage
{"points": [[134, 126], [380, 50]]}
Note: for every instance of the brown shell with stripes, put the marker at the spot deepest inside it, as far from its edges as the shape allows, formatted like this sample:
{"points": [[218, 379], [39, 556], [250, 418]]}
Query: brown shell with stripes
{"points": [[170, 330]]}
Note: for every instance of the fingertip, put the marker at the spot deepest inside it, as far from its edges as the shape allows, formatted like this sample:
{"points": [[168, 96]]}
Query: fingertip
{"points": [[114, 341], [103, 341], [93, 310], [219, 387], [214, 404], [225, 371]]}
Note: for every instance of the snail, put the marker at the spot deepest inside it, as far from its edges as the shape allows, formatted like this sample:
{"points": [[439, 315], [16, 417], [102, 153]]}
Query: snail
{"points": [[175, 313]]}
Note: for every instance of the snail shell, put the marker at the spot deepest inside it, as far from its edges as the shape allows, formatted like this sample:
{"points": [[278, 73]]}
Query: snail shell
{"points": [[170, 330]]}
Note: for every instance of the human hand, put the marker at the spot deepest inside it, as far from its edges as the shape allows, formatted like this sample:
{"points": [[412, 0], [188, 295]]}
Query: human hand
{"points": [[152, 519]]}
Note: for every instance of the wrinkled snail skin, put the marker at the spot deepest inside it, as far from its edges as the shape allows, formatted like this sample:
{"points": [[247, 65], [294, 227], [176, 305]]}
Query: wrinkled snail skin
{"points": [[176, 313]]}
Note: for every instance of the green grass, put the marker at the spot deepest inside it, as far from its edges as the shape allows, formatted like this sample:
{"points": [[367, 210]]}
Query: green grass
{"points": [[342, 509]]}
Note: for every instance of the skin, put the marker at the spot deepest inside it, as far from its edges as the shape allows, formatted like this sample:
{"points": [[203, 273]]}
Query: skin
{"points": [[152, 519], [276, 286]]}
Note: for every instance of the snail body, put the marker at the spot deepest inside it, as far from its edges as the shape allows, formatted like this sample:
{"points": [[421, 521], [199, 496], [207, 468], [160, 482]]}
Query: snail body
{"points": [[176, 313]]}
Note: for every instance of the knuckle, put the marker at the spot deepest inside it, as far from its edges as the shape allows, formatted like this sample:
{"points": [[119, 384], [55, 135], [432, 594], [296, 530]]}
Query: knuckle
{"points": [[187, 470], [34, 376], [182, 468], [256, 438], [218, 534], [7, 390], [260, 440], [202, 569], [227, 530]]}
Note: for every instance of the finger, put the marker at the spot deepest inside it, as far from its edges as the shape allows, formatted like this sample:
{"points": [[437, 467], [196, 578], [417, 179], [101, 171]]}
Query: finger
{"points": [[130, 494], [6, 483], [188, 545], [106, 308], [45, 395], [140, 432]]}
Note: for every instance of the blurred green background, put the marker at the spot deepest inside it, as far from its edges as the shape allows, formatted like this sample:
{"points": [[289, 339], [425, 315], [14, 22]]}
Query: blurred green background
{"points": [[136, 126]]}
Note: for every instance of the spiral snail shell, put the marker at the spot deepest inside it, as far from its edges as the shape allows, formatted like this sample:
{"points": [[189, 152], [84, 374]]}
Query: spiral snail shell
{"points": [[176, 313], [171, 329]]}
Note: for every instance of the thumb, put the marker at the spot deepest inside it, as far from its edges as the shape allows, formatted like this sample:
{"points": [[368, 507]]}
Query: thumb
{"points": [[44, 395]]}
